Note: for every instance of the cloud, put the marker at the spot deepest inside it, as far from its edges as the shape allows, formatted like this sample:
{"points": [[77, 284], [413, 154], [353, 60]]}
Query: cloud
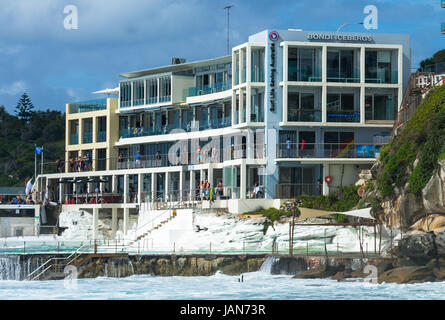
{"points": [[13, 88]]}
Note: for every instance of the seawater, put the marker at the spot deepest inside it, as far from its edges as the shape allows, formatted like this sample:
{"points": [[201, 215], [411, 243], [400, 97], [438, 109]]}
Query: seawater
{"points": [[256, 285]]}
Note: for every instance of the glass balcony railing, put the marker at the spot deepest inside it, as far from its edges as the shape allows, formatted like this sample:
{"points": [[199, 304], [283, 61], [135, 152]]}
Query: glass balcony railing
{"points": [[74, 138], [152, 100], [343, 116], [164, 99], [125, 104], [346, 77], [87, 106], [442, 28], [101, 136], [384, 78], [167, 129], [202, 90], [304, 115], [328, 150], [138, 102], [257, 74], [87, 137], [304, 75]]}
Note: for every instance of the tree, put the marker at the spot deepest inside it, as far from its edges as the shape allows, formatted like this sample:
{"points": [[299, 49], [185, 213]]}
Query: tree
{"points": [[24, 109]]}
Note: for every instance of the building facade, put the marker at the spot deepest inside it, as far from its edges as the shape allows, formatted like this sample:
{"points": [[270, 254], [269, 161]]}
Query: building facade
{"points": [[287, 113]]}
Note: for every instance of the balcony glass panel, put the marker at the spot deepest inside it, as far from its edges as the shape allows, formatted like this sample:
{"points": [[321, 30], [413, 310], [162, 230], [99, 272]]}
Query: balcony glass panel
{"points": [[207, 89], [87, 106], [125, 94]]}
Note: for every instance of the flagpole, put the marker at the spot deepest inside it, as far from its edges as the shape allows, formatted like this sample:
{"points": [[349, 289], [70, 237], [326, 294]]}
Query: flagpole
{"points": [[41, 162]]}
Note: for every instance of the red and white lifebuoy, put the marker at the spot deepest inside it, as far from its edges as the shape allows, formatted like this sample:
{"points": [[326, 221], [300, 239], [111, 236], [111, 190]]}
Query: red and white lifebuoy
{"points": [[328, 179]]}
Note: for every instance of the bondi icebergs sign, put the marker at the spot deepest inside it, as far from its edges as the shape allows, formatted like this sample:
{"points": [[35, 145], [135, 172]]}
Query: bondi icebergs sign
{"points": [[340, 37]]}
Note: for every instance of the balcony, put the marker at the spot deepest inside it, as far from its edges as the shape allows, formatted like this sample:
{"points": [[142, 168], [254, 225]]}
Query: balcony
{"points": [[349, 116], [345, 77], [305, 76], [293, 190], [88, 106], [187, 127], [382, 78], [328, 150], [207, 89], [304, 115], [257, 74]]}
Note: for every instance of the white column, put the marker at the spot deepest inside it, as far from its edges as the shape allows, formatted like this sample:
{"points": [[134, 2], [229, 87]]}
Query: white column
{"points": [[192, 185], [324, 103], [325, 174], [153, 186], [243, 180], [113, 222], [166, 186], [95, 222], [362, 104], [113, 184], [181, 185], [324, 71], [126, 219], [36, 220], [61, 191], [210, 176], [125, 188], [139, 188]]}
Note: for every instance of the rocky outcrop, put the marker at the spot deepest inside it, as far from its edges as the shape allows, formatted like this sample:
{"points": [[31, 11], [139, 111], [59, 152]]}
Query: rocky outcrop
{"points": [[324, 271], [404, 209], [411, 274]]}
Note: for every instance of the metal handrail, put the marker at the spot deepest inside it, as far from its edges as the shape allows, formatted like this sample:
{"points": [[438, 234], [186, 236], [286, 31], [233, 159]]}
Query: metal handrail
{"points": [[55, 258]]}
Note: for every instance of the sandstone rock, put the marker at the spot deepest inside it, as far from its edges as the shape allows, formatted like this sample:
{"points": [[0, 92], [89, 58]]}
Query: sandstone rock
{"points": [[440, 243], [342, 275], [433, 222], [439, 273], [432, 196], [407, 275]]}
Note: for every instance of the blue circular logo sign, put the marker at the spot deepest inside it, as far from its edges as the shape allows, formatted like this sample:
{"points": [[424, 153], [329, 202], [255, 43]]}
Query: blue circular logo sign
{"points": [[274, 36]]}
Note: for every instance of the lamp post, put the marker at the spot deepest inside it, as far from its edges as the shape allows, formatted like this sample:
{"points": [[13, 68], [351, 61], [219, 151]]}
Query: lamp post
{"points": [[347, 24], [228, 17]]}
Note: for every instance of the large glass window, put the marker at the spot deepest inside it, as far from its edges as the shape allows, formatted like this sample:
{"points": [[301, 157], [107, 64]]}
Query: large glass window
{"points": [[164, 89], [341, 107], [378, 67], [303, 64], [87, 130], [301, 107], [138, 92], [256, 106], [74, 131], [341, 66], [338, 144], [152, 91], [101, 129], [257, 73], [380, 107], [125, 94]]}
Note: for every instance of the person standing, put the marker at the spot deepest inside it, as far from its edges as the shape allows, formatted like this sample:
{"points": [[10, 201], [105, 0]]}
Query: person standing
{"points": [[288, 146], [138, 158]]}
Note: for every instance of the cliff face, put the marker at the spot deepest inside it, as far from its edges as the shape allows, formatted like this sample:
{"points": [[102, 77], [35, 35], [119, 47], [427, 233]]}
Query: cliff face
{"points": [[407, 189]]}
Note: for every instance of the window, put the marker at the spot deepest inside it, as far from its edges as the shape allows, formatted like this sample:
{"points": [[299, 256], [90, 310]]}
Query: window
{"points": [[301, 107], [257, 73], [378, 67], [341, 66], [338, 144], [380, 107], [341, 108], [256, 106], [303, 64], [101, 129], [125, 94], [164, 89], [152, 91], [87, 130], [138, 92]]}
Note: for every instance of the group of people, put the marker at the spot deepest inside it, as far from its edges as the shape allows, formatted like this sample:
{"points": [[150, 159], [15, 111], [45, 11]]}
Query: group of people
{"points": [[206, 192], [213, 154], [79, 163], [16, 200]]}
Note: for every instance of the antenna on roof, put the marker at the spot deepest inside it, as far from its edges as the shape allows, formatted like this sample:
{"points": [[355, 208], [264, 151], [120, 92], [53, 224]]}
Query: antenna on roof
{"points": [[228, 19]]}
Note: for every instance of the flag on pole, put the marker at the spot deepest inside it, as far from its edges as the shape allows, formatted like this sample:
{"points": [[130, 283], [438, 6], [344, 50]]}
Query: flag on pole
{"points": [[38, 150]]}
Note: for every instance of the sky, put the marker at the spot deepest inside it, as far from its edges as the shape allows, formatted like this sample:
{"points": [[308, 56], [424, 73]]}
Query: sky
{"points": [[56, 66]]}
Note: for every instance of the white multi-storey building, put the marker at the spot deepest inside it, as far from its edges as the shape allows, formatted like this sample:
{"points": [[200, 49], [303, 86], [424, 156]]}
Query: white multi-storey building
{"points": [[287, 113]]}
